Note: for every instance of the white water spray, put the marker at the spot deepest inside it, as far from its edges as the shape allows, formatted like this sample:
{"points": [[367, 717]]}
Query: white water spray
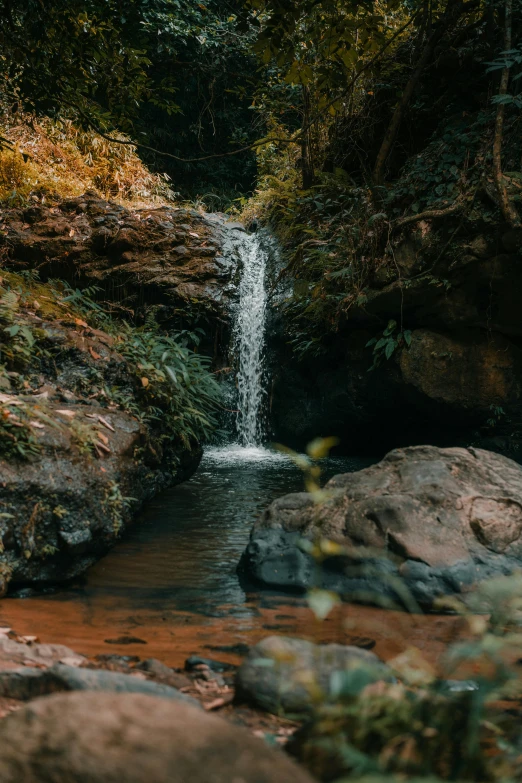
{"points": [[249, 338]]}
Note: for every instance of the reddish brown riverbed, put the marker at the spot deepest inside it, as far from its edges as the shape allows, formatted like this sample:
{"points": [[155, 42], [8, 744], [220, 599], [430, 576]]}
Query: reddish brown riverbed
{"points": [[172, 581], [91, 628]]}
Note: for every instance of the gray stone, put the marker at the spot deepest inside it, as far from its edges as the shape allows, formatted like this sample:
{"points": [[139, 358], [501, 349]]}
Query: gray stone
{"points": [[181, 250], [290, 676], [28, 683], [436, 521]]}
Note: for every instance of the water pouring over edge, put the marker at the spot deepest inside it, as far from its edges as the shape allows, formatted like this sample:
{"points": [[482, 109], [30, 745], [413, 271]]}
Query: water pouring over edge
{"points": [[249, 341]]}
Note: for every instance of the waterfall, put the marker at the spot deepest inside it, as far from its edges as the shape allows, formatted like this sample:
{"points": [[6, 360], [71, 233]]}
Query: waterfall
{"points": [[249, 340]]}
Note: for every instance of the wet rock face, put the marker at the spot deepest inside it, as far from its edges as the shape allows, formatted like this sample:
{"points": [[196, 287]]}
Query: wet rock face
{"points": [[104, 738], [95, 464], [165, 256], [455, 286], [438, 520], [290, 676]]}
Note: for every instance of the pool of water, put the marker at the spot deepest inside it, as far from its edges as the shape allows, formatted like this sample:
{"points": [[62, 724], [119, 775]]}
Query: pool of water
{"points": [[169, 589], [184, 549]]}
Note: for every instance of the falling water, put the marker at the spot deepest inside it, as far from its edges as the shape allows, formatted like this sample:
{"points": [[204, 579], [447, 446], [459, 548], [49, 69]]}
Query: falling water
{"points": [[249, 334]]}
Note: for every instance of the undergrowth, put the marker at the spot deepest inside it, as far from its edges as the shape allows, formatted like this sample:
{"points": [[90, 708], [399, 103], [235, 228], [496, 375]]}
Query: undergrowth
{"points": [[55, 159], [168, 385]]}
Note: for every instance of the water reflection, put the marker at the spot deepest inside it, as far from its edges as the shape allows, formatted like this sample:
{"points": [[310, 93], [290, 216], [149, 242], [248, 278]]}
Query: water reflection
{"points": [[184, 550]]}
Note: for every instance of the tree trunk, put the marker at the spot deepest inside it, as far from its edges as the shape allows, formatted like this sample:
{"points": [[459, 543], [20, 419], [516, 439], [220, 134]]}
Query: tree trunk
{"points": [[451, 14], [509, 212]]}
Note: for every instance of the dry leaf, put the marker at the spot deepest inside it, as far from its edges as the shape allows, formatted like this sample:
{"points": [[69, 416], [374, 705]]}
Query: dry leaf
{"points": [[145, 382], [102, 446], [79, 322], [103, 438], [93, 353], [69, 414], [36, 304], [106, 423], [193, 234], [37, 424], [72, 232]]}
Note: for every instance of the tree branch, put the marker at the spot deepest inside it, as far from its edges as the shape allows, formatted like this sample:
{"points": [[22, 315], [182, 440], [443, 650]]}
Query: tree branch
{"points": [[429, 214], [509, 212]]}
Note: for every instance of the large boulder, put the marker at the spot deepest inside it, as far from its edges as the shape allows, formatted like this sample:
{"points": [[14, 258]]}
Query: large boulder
{"points": [[108, 738], [291, 676], [454, 285], [434, 520], [76, 463], [166, 256]]}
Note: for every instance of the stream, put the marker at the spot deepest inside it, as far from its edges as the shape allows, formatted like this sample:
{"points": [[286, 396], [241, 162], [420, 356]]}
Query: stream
{"points": [[170, 588]]}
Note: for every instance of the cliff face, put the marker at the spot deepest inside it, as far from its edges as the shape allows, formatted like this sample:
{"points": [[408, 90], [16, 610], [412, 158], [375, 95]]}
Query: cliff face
{"points": [[168, 257], [85, 433], [455, 285]]}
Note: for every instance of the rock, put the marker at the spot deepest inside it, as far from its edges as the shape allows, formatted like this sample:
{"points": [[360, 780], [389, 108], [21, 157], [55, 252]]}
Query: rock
{"points": [[92, 466], [290, 676], [13, 653], [467, 375], [106, 738], [126, 640], [142, 253], [435, 520], [512, 240], [217, 666], [27, 683], [164, 673]]}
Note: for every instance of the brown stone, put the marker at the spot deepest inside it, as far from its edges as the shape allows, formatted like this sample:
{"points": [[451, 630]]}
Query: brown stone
{"points": [[110, 738]]}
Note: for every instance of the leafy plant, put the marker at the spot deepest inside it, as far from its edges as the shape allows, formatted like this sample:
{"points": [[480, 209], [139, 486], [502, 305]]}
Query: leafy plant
{"points": [[178, 389], [391, 341]]}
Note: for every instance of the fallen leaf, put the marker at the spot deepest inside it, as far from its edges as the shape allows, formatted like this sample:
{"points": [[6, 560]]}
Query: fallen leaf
{"points": [[7, 399], [93, 353], [145, 382], [36, 304], [103, 438], [37, 425], [106, 423], [222, 701], [79, 322], [193, 234], [72, 232], [69, 414], [103, 447]]}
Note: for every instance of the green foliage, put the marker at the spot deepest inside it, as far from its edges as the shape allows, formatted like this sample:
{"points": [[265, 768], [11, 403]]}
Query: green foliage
{"points": [[391, 341], [179, 392], [17, 440]]}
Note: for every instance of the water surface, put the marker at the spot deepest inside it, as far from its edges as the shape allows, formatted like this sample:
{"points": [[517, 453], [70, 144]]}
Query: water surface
{"points": [[184, 550], [169, 589]]}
